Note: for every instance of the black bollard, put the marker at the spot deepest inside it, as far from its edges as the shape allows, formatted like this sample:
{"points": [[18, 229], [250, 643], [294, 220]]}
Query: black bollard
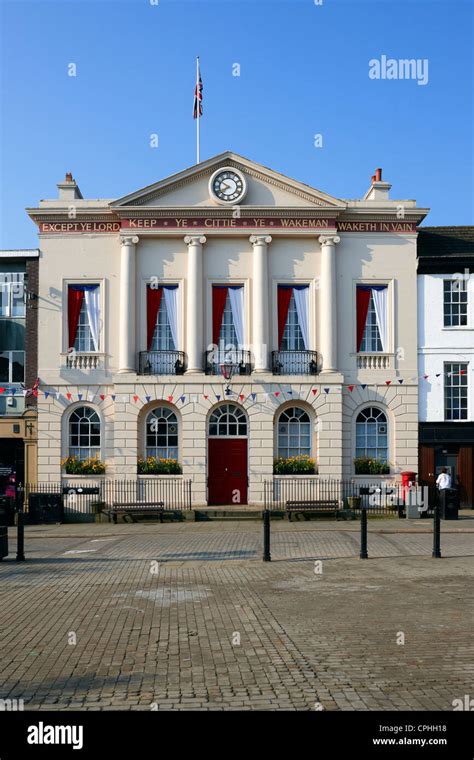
{"points": [[266, 536], [363, 534], [436, 554], [20, 542]]}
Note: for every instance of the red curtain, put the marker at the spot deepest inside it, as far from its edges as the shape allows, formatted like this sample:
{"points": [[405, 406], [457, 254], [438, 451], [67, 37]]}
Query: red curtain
{"points": [[75, 297], [153, 300], [284, 298], [363, 299], [219, 297]]}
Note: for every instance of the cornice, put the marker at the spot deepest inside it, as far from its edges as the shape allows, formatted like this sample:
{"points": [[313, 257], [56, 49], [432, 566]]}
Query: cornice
{"points": [[246, 212]]}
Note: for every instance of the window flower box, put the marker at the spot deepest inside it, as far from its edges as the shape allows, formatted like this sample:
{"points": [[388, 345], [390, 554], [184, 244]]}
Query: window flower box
{"points": [[298, 465], [369, 466], [74, 466], [155, 466]]}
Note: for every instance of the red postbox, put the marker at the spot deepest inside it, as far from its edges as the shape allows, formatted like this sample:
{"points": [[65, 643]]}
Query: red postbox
{"points": [[408, 480]]}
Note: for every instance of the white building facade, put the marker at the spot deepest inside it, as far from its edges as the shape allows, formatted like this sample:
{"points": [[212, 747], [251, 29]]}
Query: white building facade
{"points": [[145, 301], [446, 355]]}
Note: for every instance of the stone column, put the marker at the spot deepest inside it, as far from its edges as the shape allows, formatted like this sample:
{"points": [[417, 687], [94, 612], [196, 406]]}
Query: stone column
{"points": [[194, 306], [260, 286], [328, 303], [127, 316]]}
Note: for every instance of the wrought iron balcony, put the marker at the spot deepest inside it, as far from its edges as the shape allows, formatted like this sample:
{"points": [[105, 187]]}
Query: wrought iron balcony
{"points": [[214, 358], [162, 362], [295, 362]]}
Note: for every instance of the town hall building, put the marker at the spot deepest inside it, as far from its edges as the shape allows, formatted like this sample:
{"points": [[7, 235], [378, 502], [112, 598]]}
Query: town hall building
{"points": [[224, 322]]}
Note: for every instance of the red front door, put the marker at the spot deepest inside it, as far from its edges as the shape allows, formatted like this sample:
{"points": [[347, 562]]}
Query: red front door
{"points": [[227, 471]]}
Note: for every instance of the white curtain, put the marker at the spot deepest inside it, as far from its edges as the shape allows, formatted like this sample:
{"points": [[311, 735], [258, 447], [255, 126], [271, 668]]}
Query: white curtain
{"points": [[236, 298], [92, 299], [171, 302], [380, 304], [301, 296]]}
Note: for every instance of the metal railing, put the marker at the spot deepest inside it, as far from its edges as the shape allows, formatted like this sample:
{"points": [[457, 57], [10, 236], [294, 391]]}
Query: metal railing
{"points": [[162, 362], [237, 356], [382, 498], [295, 362], [77, 499]]}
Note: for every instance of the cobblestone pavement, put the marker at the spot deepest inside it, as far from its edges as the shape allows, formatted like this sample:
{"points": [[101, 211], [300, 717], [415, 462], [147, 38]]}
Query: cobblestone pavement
{"points": [[186, 616]]}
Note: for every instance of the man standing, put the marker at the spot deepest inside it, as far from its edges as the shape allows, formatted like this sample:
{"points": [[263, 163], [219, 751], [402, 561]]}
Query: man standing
{"points": [[444, 479]]}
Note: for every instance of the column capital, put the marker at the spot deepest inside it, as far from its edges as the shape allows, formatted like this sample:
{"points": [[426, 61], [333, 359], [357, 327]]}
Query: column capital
{"points": [[195, 239], [329, 239], [260, 239], [129, 240]]}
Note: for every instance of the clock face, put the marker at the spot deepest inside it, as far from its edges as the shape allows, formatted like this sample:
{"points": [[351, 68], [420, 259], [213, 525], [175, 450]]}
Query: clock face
{"points": [[227, 186]]}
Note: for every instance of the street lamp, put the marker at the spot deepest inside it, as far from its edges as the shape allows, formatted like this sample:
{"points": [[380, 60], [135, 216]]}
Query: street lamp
{"points": [[228, 370]]}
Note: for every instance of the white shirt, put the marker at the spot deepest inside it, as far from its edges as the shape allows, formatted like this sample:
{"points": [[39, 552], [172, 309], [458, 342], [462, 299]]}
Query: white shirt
{"points": [[443, 480]]}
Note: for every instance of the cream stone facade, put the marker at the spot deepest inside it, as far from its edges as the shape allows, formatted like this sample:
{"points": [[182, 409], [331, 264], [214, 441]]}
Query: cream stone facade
{"points": [[174, 235]]}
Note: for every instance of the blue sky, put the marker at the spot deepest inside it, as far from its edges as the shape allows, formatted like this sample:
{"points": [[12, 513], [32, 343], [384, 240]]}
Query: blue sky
{"points": [[304, 71]]}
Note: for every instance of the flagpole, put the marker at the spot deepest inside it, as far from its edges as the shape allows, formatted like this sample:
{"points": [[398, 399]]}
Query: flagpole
{"points": [[198, 135]]}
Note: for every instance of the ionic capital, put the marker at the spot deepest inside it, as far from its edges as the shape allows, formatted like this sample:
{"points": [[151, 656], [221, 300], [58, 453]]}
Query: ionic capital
{"points": [[329, 239], [260, 239], [195, 239]]}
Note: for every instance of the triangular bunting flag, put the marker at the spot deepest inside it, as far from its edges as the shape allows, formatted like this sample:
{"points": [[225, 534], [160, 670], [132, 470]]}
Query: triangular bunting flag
{"points": [[46, 393], [277, 393], [68, 396], [350, 388], [170, 398], [79, 396], [148, 398], [102, 396], [326, 390], [401, 382], [113, 397], [388, 382], [218, 397], [425, 377], [58, 395], [14, 391], [439, 374], [363, 386], [254, 396], [182, 398], [135, 398], [206, 397], [241, 396], [462, 371], [314, 391]]}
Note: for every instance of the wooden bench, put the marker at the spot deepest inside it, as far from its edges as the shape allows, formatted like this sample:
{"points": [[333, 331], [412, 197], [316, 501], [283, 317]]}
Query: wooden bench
{"points": [[131, 508], [314, 505]]}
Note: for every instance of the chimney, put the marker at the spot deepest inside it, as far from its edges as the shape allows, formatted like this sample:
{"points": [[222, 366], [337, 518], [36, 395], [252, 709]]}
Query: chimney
{"points": [[69, 190], [378, 190]]}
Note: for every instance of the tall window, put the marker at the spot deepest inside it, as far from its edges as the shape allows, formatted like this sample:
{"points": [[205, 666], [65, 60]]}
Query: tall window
{"points": [[371, 340], [455, 302], [84, 433], [163, 336], [162, 434], [455, 391], [227, 420], [12, 294], [294, 433], [83, 340], [372, 434], [12, 366], [292, 339], [227, 335]]}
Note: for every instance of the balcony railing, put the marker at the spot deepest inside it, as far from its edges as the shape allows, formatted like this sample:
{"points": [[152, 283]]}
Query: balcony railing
{"points": [[162, 362], [214, 358], [373, 361], [295, 362], [83, 361]]}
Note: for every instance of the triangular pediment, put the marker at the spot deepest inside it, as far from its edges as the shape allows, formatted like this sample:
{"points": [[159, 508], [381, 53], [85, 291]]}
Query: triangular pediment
{"points": [[266, 188]]}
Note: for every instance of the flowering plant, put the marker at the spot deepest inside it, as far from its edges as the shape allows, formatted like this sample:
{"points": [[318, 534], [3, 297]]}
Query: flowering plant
{"points": [[91, 466], [296, 465], [371, 466], [158, 466]]}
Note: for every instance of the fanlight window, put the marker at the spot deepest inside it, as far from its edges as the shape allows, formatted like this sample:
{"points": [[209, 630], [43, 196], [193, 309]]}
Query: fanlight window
{"points": [[227, 420], [294, 433], [162, 434], [372, 434], [84, 433]]}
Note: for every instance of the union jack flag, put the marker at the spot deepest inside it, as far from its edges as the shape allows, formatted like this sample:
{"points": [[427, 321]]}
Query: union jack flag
{"points": [[198, 94]]}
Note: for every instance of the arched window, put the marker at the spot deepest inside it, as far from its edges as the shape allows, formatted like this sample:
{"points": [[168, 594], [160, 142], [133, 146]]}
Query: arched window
{"points": [[294, 433], [162, 434], [227, 420], [372, 434], [84, 433]]}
